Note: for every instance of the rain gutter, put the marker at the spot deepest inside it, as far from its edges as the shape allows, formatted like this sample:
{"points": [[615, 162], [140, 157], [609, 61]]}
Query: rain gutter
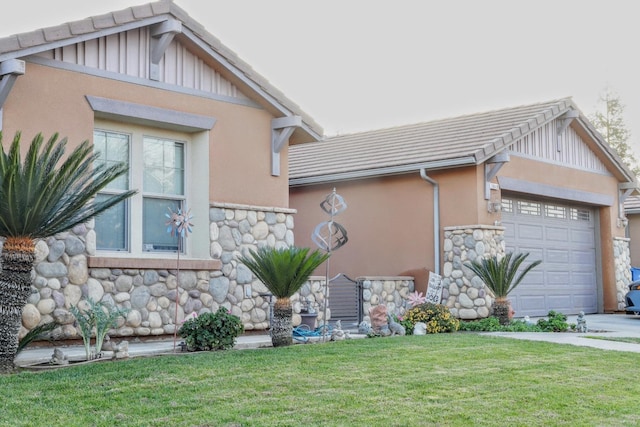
{"points": [[436, 218]]}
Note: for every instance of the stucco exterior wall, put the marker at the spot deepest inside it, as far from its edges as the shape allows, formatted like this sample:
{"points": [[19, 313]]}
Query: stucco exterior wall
{"points": [[389, 222], [240, 140]]}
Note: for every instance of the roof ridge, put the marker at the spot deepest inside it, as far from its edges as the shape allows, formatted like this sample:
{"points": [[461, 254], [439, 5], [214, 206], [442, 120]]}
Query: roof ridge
{"points": [[459, 117]]}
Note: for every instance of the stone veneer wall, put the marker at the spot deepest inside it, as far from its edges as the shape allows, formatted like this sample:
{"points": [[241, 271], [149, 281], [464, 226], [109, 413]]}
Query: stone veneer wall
{"points": [[622, 258], [463, 292], [390, 291], [314, 291], [63, 277]]}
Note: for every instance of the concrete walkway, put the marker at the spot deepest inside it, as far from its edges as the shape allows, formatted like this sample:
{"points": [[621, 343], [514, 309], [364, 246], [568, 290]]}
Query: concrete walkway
{"points": [[601, 325], [35, 355], [598, 325]]}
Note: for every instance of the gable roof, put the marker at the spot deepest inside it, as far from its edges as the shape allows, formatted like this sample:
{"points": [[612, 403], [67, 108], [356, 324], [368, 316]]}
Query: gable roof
{"points": [[37, 41], [447, 143]]}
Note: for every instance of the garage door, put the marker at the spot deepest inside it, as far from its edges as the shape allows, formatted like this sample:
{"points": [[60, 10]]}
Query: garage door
{"points": [[563, 237]]}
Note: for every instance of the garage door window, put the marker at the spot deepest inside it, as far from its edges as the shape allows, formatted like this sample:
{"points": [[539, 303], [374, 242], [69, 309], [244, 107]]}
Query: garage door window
{"points": [[529, 208], [580, 214], [553, 211]]}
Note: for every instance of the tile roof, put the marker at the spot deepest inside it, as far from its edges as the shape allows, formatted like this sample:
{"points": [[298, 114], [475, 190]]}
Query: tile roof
{"points": [[24, 44], [458, 141]]}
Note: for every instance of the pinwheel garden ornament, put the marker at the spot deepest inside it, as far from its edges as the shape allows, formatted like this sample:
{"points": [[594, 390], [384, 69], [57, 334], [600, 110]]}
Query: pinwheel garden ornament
{"points": [[178, 224]]}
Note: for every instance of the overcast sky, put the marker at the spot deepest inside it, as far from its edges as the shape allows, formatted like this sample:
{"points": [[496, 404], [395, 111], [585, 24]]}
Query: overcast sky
{"points": [[356, 65]]}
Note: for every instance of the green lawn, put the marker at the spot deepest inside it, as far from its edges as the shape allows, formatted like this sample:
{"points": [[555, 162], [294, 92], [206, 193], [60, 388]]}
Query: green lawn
{"points": [[460, 379]]}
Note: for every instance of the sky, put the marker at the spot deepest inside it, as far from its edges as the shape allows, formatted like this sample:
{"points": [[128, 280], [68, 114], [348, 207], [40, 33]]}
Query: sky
{"points": [[356, 65]]}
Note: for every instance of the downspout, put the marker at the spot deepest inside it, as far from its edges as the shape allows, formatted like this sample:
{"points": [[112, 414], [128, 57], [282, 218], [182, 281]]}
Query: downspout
{"points": [[436, 218]]}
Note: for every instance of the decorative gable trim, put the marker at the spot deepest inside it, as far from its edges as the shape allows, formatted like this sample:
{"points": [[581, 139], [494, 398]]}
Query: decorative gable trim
{"points": [[9, 72], [567, 148], [161, 37], [281, 129]]}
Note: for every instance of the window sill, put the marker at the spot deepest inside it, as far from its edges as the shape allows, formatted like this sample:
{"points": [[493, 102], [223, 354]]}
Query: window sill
{"points": [[153, 263]]}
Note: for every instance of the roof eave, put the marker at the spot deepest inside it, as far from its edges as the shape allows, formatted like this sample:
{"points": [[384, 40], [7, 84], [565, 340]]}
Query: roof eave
{"points": [[380, 172]]}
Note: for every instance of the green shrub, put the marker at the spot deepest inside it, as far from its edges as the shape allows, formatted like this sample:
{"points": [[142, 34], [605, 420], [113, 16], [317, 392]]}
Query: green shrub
{"points": [[211, 331], [488, 324], [557, 322], [406, 323], [437, 317]]}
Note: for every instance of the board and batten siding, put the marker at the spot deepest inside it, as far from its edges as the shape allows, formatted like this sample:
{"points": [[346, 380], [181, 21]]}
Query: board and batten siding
{"points": [[128, 53], [543, 143]]}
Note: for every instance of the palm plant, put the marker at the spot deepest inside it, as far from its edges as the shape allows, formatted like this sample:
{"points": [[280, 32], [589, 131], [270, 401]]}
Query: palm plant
{"points": [[46, 194], [500, 275], [283, 272]]}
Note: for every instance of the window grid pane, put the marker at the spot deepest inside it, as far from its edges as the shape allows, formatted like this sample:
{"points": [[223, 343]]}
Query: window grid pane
{"points": [[111, 226], [112, 148], [163, 166], [155, 236]]}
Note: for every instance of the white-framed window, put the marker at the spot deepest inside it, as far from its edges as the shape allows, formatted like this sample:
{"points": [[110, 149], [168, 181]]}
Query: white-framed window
{"points": [[163, 190], [159, 168], [112, 232]]}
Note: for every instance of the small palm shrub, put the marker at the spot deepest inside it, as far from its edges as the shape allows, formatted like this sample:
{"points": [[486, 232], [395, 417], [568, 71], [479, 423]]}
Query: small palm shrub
{"points": [[500, 275], [211, 331], [37, 333], [437, 317]]}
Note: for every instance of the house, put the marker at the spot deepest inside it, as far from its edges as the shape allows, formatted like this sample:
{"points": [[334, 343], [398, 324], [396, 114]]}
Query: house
{"points": [[200, 130], [431, 196]]}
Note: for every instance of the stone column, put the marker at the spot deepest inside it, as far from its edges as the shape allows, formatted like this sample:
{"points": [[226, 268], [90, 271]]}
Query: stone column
{"points": [[622, 259], [463, 292]]}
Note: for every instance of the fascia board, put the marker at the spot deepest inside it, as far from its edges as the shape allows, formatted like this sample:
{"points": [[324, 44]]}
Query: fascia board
{"points": [[378, 172], [21, 53]]}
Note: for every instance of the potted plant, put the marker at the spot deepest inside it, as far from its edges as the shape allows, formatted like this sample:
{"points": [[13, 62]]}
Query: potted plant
{"points": [[283, 272], [500, 275]]}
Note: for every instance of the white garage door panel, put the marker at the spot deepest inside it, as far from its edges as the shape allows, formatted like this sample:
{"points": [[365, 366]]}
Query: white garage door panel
{"points": [[557, 234], [554, 255], [563, 237], [585, 258], [582, 236], [557, 278], [561, 303], [530, 232], [533, 302]]}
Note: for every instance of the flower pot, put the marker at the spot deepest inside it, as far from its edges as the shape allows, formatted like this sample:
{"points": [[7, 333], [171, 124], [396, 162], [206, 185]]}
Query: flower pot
{"points": [[309, 319]]}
